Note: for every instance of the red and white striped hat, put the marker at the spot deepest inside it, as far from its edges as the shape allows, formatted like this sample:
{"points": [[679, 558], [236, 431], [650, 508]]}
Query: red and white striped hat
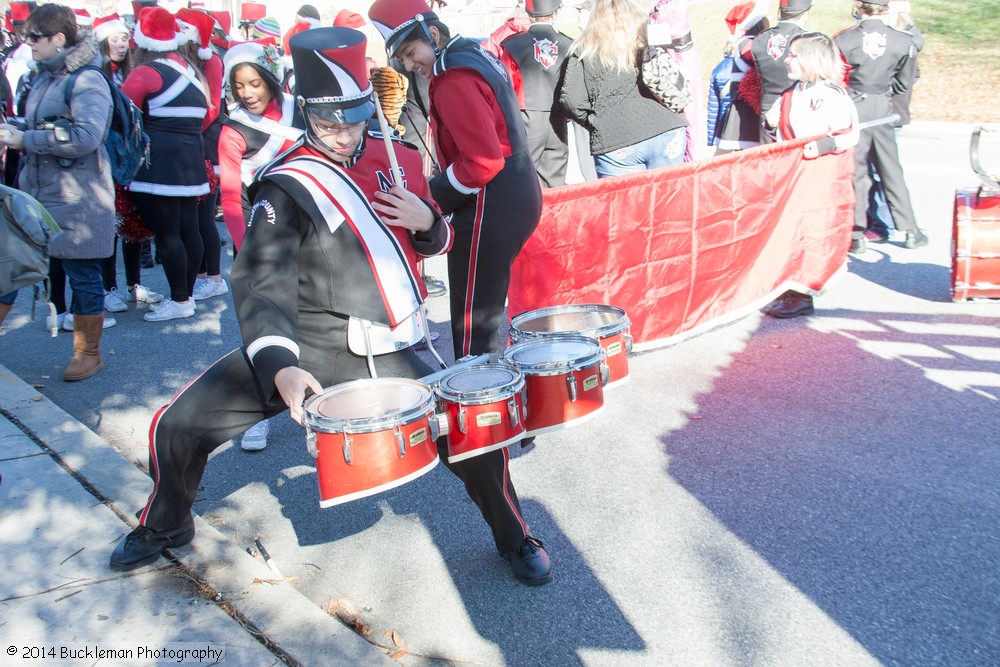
{"points": [[156, 30]]}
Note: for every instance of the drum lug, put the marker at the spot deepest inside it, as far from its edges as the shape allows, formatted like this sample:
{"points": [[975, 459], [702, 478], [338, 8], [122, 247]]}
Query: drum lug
{"points": [[512, 411], [605, 374], [400, 440], [524, 402], [628, 343], [435, 426], [571, 382], [347, 451], [461, 419], [311, 443]]}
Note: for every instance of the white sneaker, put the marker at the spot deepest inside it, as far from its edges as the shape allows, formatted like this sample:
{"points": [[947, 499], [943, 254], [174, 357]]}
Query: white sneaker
{"points": [[60, 319], [170, 310], [141, 294], [113, 302], [67, 322], [255, 437], [206, 288]]}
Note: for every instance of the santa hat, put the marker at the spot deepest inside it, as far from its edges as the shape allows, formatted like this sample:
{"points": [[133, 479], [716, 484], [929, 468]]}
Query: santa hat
{"points": [[223, 21], [20, 11], [396, 19], [156, 30], [331, 74], [83, 18], [743, 16], [266, 27], [300, 26], [105, 26], [264, 55], [195, 26]]}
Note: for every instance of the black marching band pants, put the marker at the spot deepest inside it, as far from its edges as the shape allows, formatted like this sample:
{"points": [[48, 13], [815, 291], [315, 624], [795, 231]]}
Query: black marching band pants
{"points": [[225, 401], [490, 231], [878, 144]]}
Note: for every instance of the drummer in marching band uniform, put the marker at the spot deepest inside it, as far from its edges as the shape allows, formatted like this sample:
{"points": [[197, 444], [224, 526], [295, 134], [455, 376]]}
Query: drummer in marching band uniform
{"points": [[332, 245]]}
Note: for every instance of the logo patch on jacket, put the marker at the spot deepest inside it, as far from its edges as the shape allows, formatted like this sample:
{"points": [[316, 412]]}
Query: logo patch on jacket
{"points": [[265, 206], [495, 62], [873, 44], [776, 46], [546, 52]]}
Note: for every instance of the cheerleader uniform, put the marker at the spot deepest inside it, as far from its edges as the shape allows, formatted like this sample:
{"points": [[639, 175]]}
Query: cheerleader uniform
{"points": [[247, 143], [167, 188]]}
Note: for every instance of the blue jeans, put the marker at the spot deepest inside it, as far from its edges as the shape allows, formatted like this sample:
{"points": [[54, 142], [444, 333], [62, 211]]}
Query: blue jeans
{"points": [[9, 298], [87, 285], [662, 150]]}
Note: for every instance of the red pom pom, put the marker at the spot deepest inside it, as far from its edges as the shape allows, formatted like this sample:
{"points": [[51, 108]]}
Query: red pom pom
{"points": [[751, 89], [130, 224]]}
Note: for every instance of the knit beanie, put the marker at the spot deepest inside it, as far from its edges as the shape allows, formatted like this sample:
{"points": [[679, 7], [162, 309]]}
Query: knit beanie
{"points": [[267, 27]]}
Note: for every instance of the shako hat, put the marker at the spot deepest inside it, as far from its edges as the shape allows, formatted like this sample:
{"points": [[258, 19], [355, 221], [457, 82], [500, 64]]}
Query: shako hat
{"points": [[542, 7], [794, 5], [331, 74], [396, 19]]}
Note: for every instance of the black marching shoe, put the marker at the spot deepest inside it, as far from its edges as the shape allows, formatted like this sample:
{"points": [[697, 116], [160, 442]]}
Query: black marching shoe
{"points": [[793, 305], [858, 246], [915, 239], [530, 563], [144, 545]]}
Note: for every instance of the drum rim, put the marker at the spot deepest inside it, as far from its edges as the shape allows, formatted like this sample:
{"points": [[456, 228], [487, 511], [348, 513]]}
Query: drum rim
{"points": [[483, 396], [556, 367], [612, 328], [323, 424]]}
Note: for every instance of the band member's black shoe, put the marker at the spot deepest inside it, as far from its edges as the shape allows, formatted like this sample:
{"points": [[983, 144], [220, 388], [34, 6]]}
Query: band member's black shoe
{"points": [[144, 545], [530, 563], [793, 305], [915, 239], [858, 246]]}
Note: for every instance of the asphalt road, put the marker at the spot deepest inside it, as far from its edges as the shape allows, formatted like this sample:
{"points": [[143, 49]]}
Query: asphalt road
{"points": [[820, 491]]}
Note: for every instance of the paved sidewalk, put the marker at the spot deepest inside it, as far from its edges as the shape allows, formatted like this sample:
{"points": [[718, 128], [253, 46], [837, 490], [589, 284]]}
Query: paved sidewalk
{"points": [[65, 495]]}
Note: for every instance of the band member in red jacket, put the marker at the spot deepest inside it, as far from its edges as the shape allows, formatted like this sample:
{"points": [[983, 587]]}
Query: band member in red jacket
{"points": [[488, 181], [331, 245]]}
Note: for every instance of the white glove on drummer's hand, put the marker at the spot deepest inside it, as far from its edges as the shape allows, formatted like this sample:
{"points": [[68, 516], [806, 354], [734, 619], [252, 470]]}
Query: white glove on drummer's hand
{"points": [[292, 382]]}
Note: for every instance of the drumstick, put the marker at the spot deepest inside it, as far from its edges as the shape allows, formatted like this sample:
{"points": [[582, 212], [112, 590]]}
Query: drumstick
{"points": [[397, 174]]}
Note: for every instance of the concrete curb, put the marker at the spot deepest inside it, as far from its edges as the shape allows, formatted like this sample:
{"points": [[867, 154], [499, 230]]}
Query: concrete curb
{"points": [[278, 611]]}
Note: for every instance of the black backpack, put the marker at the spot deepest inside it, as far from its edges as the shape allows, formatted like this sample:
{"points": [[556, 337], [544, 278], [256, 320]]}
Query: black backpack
{"points": [[127, 144], [25, 231]]}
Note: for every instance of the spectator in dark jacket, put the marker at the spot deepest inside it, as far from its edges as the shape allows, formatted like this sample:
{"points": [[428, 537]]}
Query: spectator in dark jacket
{"points": [[602, 91]]}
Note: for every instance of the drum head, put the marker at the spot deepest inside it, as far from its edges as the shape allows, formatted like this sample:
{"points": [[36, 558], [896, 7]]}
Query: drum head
{"points": [[364, 405], [470, 385], [584, 319], [554, 352]]}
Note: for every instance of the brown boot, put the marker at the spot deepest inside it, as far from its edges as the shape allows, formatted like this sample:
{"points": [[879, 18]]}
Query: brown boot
{"points": [[86, 347]]}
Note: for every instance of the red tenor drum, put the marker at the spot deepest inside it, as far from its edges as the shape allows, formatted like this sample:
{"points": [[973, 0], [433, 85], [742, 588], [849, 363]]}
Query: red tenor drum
{"points": [[975, 246], [608, 324], [564, 377], [484, 406], [370, 436]]}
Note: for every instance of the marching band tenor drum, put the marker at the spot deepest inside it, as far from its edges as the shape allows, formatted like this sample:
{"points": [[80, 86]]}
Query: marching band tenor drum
{"points": [[608, 324], [975, 245], [484, 408], [370, 436], [564, 378]]}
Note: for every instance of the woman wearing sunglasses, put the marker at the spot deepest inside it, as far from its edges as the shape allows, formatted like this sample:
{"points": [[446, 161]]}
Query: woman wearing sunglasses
{"points": [[65, 166]]}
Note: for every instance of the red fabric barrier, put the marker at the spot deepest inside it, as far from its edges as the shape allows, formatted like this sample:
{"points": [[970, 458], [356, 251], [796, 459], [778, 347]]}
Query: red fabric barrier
{"points": [[688, 247]]}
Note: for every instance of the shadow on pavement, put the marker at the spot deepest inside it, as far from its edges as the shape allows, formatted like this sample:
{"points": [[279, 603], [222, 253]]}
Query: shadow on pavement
{"points": [[880, 503]]}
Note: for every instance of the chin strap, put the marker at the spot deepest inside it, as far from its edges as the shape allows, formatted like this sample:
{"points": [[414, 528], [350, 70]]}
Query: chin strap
{"points": [[427, 34]]}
